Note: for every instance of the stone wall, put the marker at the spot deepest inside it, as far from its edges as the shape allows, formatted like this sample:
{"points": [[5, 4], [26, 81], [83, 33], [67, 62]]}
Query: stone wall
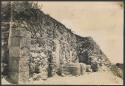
{"points": [[90, 53], [53, 40], [41, 45]]}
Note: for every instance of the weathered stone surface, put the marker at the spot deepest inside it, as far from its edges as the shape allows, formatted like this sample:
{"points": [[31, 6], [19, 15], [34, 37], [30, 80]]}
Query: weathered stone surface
{"points": [[14, 77], [4, 48], [71, 69], [5, 11], [40, 46], [19, 54], [90, 53], [14, 64], [23, 77], [14, 52], [88, 68], [83, 68]]}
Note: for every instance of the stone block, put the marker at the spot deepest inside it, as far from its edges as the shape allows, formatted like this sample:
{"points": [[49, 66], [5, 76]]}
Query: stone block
{"points": [[15, 32], [14, 52], [14, 41], [88, 68], [83, 68], [23, 77], [13, 77], [71, 69], [24, 53], [13, 64], [24, 42], [23, 66]]}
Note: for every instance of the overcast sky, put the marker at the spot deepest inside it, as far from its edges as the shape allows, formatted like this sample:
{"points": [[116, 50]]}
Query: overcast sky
{"points": [[101, 20]]}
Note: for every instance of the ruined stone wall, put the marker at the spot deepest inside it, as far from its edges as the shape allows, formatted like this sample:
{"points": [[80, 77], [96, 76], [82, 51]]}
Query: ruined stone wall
{"points": [[44, 44], [90, 53], [51, 43]]}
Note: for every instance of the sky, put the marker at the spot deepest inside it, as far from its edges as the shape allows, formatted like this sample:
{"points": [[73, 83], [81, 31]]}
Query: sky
{"points": [[101, 20]]}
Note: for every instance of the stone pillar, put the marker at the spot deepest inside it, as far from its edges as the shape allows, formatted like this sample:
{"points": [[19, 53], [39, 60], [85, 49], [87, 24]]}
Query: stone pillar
{"points": [[57, 53], [19, 41], [4, 47], [56, 58]]}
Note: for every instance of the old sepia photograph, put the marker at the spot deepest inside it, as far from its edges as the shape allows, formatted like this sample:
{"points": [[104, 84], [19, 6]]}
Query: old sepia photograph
{"points": [[62, 42]]}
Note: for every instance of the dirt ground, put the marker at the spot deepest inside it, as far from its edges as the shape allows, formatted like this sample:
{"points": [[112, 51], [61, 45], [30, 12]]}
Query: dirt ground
{"points": [[95, 78]]}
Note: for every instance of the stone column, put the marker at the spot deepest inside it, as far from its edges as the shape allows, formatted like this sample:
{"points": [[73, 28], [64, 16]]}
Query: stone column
{"points": [[19, 43], [57, 58], [4, 47]]}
